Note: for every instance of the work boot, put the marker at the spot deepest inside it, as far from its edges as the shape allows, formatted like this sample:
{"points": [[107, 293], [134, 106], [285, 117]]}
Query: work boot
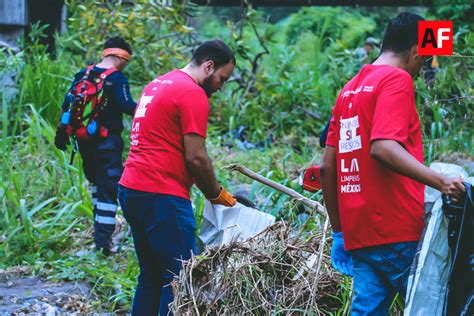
{"points": [[105, 250]]}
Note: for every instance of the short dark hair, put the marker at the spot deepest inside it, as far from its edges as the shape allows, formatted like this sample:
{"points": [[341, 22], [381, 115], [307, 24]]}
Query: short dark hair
{"points": [[401, 33], [117, 42], [215, 50]]}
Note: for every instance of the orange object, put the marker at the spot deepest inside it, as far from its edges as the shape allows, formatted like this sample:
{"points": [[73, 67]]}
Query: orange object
{"points": [[122, 53], [224, 198]]}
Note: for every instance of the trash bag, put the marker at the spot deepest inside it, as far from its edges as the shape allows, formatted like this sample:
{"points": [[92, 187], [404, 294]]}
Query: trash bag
{"points": [[429, 274], [460, 294], [221, 225]]}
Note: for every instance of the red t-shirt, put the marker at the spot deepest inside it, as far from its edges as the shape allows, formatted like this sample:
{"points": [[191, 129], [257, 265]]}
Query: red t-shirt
{"points": [[377, 206], [170, 107]]}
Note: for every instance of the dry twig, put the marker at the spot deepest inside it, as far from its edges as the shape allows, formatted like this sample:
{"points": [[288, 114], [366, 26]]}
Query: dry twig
{"points": [[277, 186], [271, 272]]}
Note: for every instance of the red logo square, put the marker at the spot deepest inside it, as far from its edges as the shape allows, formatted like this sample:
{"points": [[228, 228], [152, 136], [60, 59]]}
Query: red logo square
{"points": [[435, 38]]}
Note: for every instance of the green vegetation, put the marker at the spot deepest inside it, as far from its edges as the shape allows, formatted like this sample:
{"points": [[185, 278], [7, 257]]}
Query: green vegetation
{"points": [[286, 69]]}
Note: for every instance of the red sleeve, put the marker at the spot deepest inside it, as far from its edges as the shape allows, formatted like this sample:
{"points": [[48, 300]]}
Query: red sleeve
{"points": [[194, 112], [332, 132], [393, 109]]}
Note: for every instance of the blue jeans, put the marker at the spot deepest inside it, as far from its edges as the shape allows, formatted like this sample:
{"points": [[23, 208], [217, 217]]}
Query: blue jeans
{"points": [[380, 273], [163, 229]]}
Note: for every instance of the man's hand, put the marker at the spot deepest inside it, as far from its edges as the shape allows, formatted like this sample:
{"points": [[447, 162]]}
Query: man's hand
{"points": [[224, 198], [395, 157], [61, 140], [341, 260], [453, 187]]}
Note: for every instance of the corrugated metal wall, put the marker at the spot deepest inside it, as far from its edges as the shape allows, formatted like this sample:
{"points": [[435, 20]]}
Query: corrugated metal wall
{"points": [[13, 12], [13, 20]]}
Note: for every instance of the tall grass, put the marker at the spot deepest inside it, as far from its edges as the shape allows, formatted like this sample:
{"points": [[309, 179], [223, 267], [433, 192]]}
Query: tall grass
{"points": [[45, 209], [42, 197]]}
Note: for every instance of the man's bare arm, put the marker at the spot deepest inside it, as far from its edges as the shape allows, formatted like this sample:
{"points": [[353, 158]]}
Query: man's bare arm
{"points": [[395, 157], [329, 185], [200, 166]]}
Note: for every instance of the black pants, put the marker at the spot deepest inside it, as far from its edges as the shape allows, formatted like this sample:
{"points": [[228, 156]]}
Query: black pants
{"points": [[102, 164]]}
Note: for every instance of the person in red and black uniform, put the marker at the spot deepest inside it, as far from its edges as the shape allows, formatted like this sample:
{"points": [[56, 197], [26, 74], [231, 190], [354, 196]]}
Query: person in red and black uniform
{"points": [[102, 158], [372, 172], [167, 156]]}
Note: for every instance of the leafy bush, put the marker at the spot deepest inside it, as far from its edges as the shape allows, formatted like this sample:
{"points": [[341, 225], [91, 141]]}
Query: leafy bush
{"points": [[159, 35]]}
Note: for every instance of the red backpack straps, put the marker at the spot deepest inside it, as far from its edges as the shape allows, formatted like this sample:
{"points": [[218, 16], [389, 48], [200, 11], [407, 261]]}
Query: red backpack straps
{"points": [[99, 82], [107, 73], [76, 88], [103, 75], [88, 70]]}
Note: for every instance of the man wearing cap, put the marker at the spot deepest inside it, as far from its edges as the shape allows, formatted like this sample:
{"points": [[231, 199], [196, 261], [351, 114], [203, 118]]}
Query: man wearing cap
{"points": [[102, 158], [364, 53]]}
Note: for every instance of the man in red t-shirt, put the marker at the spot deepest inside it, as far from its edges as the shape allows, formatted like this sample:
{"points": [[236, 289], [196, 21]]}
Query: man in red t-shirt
{"points": [[372, 172], [167, 156]]}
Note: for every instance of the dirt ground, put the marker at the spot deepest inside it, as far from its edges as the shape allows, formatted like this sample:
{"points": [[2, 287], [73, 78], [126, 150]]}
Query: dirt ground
{"points": [[21, 294]]}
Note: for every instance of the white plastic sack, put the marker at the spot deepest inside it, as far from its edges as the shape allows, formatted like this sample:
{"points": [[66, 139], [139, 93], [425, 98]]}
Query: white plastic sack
{"points": [[429, 273], [221, 224]]}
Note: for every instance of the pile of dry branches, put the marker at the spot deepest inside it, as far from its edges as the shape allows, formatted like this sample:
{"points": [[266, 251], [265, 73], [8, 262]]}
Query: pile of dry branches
{"points": [[275, 271]]}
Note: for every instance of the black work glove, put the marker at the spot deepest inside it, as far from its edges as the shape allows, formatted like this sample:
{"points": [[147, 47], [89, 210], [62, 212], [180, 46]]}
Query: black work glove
{"points": [[61, 140]]}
